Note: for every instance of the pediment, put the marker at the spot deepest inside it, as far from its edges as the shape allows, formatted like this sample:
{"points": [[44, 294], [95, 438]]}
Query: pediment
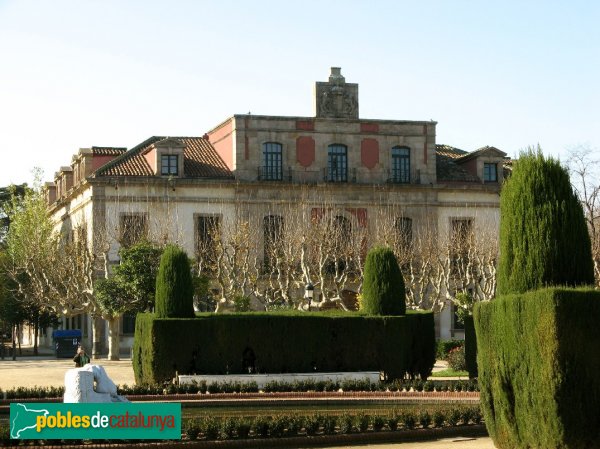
{"points": [[490, 151], [484, 151], [169, 142]]}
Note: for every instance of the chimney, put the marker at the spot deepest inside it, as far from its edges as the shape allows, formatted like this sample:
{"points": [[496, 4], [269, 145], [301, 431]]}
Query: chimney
{"points": [[50, 193], [67, 178]]}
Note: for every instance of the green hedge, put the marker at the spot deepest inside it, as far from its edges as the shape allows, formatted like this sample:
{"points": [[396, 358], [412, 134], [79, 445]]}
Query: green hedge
{"points": [[539, 368], [470, 347], [283, 343]]}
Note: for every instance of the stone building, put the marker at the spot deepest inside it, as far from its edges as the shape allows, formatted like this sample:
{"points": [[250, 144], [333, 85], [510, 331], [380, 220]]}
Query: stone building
{"points": [[331, 164]]}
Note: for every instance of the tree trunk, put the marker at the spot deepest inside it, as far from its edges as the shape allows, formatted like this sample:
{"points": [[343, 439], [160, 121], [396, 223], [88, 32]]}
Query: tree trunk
{"points": [[96, 338], [14, 343], [113, 339], [36, 328], [19, 340]]}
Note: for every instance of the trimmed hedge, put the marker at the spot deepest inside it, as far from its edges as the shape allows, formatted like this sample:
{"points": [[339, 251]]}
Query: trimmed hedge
{"points": [[539, 367], [470, 347], [283, 343], [383, 285]]}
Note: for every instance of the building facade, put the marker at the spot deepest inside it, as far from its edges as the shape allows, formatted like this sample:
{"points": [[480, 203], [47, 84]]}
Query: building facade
{"points": [[369, 179]]}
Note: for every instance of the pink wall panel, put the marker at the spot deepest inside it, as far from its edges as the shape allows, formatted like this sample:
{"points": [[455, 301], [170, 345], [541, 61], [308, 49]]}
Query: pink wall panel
{"points": [[369, 153], [305, 150]]}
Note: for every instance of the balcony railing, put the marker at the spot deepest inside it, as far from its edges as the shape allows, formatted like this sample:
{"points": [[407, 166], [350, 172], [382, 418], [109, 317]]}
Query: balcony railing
{"points": [[274, 174], [401, 177], [323, 174], [334, 176]]}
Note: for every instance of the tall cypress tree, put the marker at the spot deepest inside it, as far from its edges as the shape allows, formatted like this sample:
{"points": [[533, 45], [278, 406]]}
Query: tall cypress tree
{"points": [[174, 287], [383, 285], [544, 239]]}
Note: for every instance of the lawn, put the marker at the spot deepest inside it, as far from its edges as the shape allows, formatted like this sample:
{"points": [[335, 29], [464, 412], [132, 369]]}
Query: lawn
{"points": [[449, 372]]}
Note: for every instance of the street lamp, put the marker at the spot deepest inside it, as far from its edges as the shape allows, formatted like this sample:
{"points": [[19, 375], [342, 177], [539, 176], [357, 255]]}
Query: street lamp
{"points": [[309, 291]]}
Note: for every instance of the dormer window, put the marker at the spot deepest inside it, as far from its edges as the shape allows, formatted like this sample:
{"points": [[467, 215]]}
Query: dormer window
{"points": [[169, 165], [490, 172], [166, 157]]}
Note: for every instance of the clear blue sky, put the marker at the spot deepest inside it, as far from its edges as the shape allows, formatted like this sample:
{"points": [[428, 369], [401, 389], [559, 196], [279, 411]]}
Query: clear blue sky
{"points": [[109, 72]]}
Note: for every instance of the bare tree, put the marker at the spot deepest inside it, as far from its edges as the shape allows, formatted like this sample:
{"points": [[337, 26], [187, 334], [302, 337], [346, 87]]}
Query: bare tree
{"points": [[435, 267], [584, 167]]}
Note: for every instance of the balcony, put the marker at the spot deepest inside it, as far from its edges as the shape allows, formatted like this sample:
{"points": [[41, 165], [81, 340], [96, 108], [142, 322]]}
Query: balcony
{"points": [[274, 174], [324, 174], [348, 175], [401, 177]]}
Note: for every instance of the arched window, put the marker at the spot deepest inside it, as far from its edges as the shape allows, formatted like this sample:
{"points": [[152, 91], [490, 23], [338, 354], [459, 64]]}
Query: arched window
{"points": [[400, 164], [337, 163], [272, 162]]}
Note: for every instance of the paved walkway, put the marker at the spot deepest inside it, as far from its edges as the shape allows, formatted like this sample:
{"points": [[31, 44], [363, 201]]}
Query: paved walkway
{"points": [[452, 443], [48, 371]]}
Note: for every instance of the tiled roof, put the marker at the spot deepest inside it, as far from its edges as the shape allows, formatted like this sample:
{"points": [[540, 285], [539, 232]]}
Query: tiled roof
{"points": [[446, 167], [449, 151], [200, 160], [108, 151]]}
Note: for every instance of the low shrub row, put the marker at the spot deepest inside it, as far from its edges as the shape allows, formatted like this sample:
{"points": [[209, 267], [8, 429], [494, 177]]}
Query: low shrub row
{"points": [[214, 428], [271, 387], [366, 385], [33, 392], [279, 426]]}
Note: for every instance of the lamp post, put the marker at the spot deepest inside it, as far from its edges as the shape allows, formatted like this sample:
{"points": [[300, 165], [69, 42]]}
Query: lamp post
{"points": [[309, 291]]}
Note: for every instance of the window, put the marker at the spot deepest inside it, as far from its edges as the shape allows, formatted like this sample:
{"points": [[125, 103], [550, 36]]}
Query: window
{"points": [[461, 241], [208, 239], [271, 168], [490, 172], [404, 234], [337, 163], [169, 165], [128, 323], [134, 227], [400, 164], [273, 231]]}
